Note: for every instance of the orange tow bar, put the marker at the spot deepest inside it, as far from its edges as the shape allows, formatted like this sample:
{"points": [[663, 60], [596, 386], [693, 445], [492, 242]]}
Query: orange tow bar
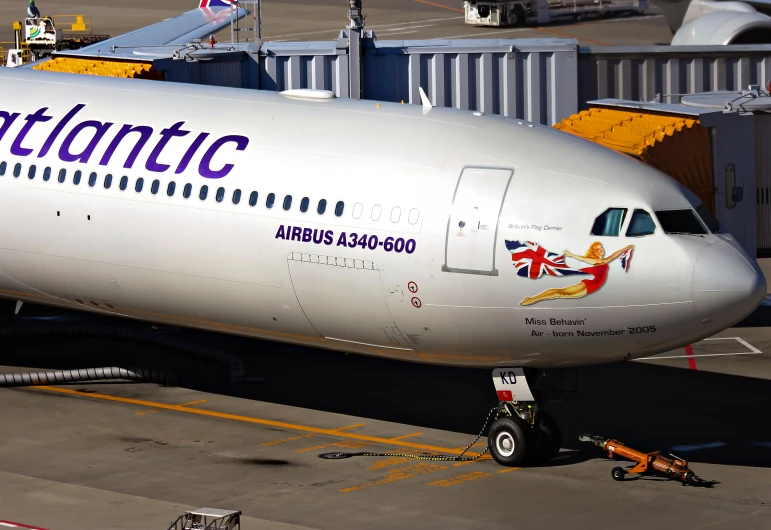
{"points": [[647, 463]]}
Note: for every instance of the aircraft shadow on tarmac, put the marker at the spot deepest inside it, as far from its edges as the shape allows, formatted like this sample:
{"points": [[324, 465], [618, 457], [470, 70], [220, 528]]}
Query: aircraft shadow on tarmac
{"points": [[699, 416]]}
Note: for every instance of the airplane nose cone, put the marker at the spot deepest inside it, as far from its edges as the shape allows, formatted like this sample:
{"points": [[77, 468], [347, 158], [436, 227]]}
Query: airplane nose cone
{"points": [[726, 287]]}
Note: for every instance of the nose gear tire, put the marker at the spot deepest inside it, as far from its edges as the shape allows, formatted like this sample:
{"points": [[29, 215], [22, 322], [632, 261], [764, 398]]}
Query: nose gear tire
{"points": [[548, 438], [508, 441]]}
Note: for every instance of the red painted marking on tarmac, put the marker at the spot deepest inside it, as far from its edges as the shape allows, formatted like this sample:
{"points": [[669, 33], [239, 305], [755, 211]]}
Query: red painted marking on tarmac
{"points": [[691, 360], [10, 524]]}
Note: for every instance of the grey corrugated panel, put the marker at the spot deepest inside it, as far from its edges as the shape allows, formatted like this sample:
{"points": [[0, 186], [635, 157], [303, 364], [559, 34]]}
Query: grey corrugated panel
{"points": [[763, 178], [533, 79], [640, 73], [319, 65], [220, 73]]}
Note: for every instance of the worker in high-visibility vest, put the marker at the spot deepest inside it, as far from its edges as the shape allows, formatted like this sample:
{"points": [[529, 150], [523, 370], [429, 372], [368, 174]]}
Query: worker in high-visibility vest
{"points": [[32, 10]]}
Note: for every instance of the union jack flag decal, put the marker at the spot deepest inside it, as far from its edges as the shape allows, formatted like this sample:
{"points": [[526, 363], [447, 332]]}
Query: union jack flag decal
{"points": [[218, 3], [533, 261], [626, 259]]}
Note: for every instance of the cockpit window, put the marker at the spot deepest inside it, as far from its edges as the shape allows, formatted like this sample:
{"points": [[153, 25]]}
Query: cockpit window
{"points": [[707, 217], [641, 224], [680, 222], [609, 222]]}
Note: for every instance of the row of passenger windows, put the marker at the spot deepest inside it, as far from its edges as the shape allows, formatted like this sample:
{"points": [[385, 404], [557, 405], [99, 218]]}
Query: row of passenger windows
{"points": [[680, 221], [171, 187]]}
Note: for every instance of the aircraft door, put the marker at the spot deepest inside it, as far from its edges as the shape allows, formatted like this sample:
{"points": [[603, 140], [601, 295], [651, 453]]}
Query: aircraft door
{"points": [[473, 223]]}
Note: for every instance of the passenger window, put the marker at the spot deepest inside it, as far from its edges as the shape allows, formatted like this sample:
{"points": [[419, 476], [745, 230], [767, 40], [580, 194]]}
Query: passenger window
{"points": [[3, 167], [204, 192], [396, 214], [220, 194], [253, 198], [187, 190], [287, 202], [236, 196], [322, 207], [123, 183], [414, 216], [154, 187], [609, 222], [680, 222], [171, 188], [92, 180], [76, 177], [376, 211], [641, 224], [17, 170], [107, 181], [357, 208], [140, 183], [31, 172], [304, 204], [271, 200], [47, 174], [339, 208], [62, 176]]}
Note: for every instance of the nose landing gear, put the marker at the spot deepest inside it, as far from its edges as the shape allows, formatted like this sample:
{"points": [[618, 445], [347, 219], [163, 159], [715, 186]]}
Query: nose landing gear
{"points": [[522, 433]]}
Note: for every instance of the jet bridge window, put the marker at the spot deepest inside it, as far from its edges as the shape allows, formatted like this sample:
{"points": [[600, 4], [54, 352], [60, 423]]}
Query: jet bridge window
{"points": [[204, 192], [62, 176], [154, 187], [609, 222], [47, 174], [107, 181], [187, 190], [220, 194], [287, 202], [123, 183], [3, 167], [253, 198], [171, 188], [31, 172], [304, 204], [680, 222], [17, 170], [322, 207], [76, 178], [139, 184], [92, 180], [236, 196], [271, 200], [339, 208], [641, 224]]}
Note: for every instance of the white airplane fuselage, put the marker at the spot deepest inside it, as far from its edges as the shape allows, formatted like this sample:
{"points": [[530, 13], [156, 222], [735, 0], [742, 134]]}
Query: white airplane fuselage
{"points": [[426, 261]]}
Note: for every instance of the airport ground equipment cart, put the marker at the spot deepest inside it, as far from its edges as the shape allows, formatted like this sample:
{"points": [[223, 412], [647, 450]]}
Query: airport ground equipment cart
{"points": [[208, 519], [536, 12]]}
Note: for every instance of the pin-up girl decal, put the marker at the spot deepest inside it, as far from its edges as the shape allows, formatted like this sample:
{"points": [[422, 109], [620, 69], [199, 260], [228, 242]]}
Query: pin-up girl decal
{"points": [[533, 261]]}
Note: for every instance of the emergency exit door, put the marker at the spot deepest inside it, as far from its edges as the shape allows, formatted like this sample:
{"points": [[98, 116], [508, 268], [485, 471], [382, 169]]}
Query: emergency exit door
{"points": [[473, 223]]}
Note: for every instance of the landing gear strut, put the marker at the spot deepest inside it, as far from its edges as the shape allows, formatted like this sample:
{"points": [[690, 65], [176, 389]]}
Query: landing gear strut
{"points": [[522, 433]]}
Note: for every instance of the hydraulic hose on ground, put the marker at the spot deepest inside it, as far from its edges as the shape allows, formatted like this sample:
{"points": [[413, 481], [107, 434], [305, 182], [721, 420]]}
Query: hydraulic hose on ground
{"points": [[236, 372], [84, 375]]}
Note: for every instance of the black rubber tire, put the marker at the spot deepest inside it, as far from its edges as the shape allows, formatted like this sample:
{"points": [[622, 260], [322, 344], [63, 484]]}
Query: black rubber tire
{"points": [[513, 430], [549, 437], [617, 473]]}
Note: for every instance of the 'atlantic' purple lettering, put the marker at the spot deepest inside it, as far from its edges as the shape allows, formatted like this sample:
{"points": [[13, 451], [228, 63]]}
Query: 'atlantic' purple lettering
{"points": [[166, 135], [31, 119], [58, 129], [8, 120], [190, 152], [99, 131], [145, 133], [204, 168]]}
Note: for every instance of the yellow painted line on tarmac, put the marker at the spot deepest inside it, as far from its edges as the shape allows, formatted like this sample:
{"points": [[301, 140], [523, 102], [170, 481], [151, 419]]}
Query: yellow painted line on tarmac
{"points": [[249, 419], [193, 403], [348, 427], [509, 469], [406, 436]]}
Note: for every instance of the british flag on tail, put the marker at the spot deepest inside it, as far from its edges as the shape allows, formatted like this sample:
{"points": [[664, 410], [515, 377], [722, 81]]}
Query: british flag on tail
{"points": [[533, 261], [626, 259]]}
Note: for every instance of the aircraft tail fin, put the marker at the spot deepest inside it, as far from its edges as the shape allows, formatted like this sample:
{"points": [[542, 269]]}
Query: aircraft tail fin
{"points": [[217, 3]]}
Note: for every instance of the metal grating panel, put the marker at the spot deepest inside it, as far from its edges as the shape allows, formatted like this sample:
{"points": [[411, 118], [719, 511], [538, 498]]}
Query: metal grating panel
{"points": [[641, 73], [533, 79], [220, 73], [318, 65], [763, 178]]}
